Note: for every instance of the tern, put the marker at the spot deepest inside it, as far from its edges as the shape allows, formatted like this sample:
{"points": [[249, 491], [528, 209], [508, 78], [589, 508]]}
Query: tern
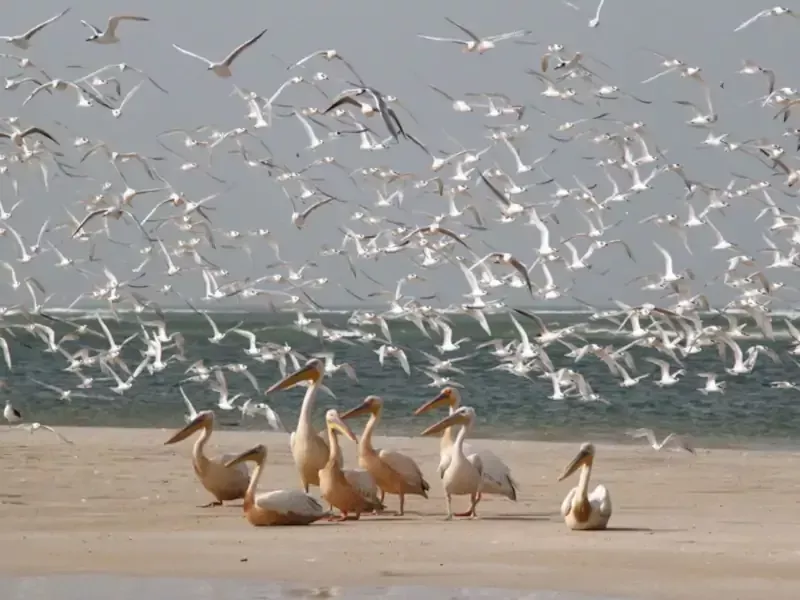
{"points": [[223, 68], [476, 44], [777, 11], [677, 441], [23, 42], [109, 36]]}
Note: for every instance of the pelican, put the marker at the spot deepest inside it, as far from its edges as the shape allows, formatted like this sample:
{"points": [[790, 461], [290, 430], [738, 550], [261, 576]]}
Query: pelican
{"points": [[338, 487], [496, 475], [224, 483], [461, 473], [394, 473], [309, 450], [581, 510], [279, 507]]}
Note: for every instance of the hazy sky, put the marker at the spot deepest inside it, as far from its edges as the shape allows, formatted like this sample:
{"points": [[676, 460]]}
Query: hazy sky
{"points": [[379, 39]]}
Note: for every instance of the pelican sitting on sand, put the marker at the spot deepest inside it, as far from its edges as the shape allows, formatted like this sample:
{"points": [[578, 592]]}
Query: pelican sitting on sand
{"points": [[496, 475], [461, 473], [395, 473], [280, 507], [309, 450], [580, 509], [225, 483]]}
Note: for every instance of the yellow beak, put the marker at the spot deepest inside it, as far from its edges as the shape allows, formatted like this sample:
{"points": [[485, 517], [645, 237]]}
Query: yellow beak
{"points": [[448, 421], [582, 458], [307, 373], [197, 423], [443, 399], [256, 454], [364, 407], [341, 427]]}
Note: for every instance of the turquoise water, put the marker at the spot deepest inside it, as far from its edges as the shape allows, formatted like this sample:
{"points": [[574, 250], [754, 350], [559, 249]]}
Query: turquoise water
{"points": [[91, 587], [508, 406]]}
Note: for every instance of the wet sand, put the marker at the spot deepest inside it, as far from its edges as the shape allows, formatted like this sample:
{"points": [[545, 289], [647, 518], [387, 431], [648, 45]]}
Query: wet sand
{"points": [[722, 524]]}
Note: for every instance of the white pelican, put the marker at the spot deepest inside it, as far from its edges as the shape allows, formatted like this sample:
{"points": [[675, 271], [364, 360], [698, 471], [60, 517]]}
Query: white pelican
{"points": [[224, 483], [395, 473], [349, 491], [496, 475], [279, 507], [461, 473], [581, 510], [309, 450]]}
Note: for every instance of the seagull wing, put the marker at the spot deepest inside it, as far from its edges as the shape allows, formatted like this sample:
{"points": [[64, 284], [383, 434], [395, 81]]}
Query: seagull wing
{"points": [[192, 54]]}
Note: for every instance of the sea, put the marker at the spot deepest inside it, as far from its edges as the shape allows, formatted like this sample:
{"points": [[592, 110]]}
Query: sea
{"points": [[751, 413], [103, 587]]}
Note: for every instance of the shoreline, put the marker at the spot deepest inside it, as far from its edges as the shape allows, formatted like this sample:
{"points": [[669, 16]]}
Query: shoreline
{"points": [[717, 525], [700, 444]]}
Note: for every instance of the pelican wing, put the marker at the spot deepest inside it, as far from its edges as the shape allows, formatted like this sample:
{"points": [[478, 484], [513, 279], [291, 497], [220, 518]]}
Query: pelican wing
{"points": [[566, 505], [287, 502], [600, 500], [404, 466], [363, 483], [496, 475]]}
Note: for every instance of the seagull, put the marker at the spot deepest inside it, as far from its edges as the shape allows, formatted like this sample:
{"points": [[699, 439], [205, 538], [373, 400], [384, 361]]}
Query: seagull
{"points": [[507, 259], [475, 43], [651, 438], [23, 42], [777, 11], [712, 386], [11, 414], [192, 413], [37, 426], [223, 69], [109, 36], [596, 20]]}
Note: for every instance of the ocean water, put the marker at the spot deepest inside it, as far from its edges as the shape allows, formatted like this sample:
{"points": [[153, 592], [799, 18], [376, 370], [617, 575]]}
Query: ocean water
{"points": [[96, 587], [749, 413]]}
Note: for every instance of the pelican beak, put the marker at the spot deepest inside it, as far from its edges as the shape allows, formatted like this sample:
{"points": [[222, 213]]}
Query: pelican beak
{"points": [[337, 424], [364, 407], [443, 399], [448, 421], [582, 458], [256, 454], [198, 422], [307, 373]]}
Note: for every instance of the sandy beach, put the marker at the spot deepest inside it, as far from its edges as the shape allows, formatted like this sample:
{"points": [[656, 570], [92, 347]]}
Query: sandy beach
{"points": [[722, 524]]}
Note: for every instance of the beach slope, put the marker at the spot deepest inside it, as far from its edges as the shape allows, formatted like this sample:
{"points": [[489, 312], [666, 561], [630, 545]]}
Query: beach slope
{"points": [[719, 525]]}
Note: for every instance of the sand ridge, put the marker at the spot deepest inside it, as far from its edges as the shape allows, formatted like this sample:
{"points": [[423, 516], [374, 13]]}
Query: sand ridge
{"points": [[720, 525]]}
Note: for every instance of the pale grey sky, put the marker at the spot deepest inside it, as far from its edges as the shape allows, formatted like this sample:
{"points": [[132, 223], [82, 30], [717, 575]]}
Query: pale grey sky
{"points": [[380, 40]]}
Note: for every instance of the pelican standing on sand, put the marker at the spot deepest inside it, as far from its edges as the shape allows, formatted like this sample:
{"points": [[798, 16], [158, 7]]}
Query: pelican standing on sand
{"points": [[338, 487], [279, 507], [309, 450], [395, 473], [461, 474], [224, 483], [496, 475], [581, 510]]}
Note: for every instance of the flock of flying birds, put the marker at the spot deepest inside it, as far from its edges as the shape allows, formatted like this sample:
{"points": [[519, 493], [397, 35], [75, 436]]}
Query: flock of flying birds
{"points": [[487, 187]]}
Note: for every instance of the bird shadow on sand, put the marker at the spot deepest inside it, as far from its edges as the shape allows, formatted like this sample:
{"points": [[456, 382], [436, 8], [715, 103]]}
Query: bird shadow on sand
{"points": [[639, 530], [518, 517]]}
